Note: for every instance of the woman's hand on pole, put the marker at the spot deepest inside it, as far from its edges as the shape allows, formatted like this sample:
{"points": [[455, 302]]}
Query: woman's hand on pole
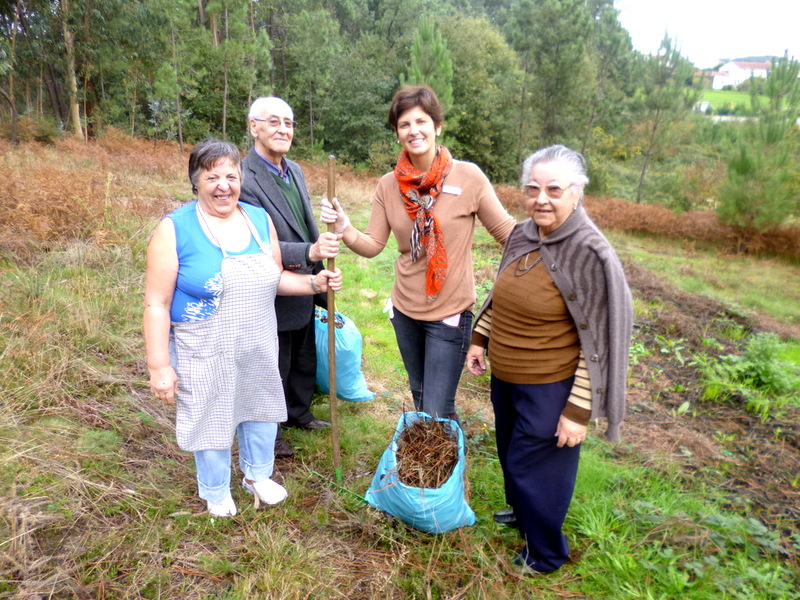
{"points": [[326, 279], [332, 212]]}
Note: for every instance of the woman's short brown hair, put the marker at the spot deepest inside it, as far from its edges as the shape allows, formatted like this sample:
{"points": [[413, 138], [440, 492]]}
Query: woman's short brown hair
{"points": [[208, 153], [411, 96]]}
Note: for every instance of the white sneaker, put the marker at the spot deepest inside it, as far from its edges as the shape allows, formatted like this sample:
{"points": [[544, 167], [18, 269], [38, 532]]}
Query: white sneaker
{"points": [[266, 490], [226, 508]]}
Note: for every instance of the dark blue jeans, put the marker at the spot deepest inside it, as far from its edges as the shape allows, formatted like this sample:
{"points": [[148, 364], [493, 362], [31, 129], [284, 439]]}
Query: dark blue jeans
{"points": [[433, 354]]}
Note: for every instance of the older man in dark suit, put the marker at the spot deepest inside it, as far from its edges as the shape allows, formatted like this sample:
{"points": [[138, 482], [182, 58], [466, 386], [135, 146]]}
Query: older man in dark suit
{"points": [[278, 185]]}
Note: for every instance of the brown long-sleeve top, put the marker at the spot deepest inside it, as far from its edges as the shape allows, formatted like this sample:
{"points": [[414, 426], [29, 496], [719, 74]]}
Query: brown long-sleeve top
{"points": [[466, 195], [527, 300]]}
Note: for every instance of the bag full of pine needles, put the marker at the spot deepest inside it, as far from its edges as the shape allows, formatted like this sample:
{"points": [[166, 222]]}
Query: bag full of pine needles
{"points": [[420, 478]]}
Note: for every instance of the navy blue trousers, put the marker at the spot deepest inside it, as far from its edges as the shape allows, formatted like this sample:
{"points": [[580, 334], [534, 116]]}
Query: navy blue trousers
{"points": [[539, 476]]}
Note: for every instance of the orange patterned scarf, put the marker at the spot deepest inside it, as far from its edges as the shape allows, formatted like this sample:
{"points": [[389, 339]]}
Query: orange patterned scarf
{"points": [[419, 193]]}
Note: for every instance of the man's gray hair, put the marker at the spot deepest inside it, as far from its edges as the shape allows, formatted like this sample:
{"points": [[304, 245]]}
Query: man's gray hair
{"points": [[557, 153], [259, 105]]}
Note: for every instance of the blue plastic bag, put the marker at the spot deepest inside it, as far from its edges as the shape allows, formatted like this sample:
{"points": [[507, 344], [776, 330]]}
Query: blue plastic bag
{"points": [[434, 510], [350, 382]]}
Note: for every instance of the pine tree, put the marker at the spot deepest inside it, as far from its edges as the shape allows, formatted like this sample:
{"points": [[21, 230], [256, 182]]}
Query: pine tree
{"points": [[762, 185], [430, 62], [665, 97]]}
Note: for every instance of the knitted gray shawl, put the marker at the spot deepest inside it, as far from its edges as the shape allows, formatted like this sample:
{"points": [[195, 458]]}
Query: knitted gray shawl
{"points": [[587, 272]]}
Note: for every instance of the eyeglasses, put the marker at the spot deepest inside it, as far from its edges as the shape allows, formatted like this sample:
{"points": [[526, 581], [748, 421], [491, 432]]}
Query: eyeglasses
{"points": [[553, 192], [276, 122]]}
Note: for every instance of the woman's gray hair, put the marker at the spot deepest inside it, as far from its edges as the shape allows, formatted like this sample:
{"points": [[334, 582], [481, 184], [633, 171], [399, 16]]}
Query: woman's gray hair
{"points": [[208, 153], [557, 153]]}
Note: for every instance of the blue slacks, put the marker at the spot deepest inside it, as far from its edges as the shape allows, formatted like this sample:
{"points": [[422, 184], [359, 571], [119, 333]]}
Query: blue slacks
{"points": [[539, 476]]}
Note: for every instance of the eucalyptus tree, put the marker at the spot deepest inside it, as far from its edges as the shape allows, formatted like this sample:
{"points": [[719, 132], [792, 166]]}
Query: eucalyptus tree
{"points": [[7, 60], [64, 16]]}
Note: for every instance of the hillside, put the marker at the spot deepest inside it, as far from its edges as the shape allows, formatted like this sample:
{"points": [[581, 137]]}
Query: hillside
{"points": [[97, 501]]}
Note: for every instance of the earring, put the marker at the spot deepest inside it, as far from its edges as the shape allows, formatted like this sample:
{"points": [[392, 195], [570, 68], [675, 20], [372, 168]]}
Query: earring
{"points": [[398, 141], [574, 207]]}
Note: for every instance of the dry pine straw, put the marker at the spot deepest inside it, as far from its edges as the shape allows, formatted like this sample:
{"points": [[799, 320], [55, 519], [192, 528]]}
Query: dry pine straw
{"points": [[427, 453]]}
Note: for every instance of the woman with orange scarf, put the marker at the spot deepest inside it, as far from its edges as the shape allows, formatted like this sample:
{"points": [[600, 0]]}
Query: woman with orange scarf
{"points": [[430, 202]]}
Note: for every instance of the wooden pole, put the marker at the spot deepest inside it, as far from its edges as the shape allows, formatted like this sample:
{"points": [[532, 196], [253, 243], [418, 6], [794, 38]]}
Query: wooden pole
{"points": [[331, 264]]}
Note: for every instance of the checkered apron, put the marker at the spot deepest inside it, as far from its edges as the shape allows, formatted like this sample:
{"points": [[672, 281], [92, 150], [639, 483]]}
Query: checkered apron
{"points": [[227, 364]]}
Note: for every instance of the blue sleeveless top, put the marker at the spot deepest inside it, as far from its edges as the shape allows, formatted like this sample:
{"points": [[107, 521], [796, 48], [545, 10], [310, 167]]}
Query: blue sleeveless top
{"points": [[199, 283]]}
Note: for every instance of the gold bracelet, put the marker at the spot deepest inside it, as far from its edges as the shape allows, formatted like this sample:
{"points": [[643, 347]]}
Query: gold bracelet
{"points": [[314, 287]]}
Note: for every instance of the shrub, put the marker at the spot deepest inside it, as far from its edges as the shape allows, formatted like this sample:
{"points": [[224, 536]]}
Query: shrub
{"points": [[758, 376], [31, 129]]}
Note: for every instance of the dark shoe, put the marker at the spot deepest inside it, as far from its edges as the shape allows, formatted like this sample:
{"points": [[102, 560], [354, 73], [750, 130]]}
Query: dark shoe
{"points": [[506, 517], [314, 424], [283, 449], [527, 568]]}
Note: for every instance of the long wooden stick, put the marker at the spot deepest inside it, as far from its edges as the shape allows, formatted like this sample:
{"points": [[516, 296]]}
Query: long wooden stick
{"points": [[331, 264]]}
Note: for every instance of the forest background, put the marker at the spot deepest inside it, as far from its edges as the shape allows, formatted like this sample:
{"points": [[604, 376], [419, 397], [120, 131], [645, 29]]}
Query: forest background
{"points": [[514, 75]]}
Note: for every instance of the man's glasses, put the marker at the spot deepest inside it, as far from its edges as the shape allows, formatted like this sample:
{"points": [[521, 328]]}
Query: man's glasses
{"points": [[276, 122], [551, 191]]}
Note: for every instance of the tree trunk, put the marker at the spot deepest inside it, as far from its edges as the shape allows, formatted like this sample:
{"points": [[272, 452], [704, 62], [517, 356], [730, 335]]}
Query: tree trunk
{"points": [[53, 91], [178, 95], [311, 119], [12, 96], [225, 103], [72, 80], [133, 112], [647, 155], [252, 61], [10, 101], [214, 33], [225, 69]]}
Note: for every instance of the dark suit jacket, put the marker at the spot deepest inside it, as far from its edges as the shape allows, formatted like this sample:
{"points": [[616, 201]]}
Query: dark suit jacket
{"points": [[259, 188]]}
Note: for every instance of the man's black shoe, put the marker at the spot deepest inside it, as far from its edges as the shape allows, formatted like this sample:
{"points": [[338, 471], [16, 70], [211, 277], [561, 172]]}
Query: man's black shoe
{"points": [[283, 449], [506, 517], [312, 424]]}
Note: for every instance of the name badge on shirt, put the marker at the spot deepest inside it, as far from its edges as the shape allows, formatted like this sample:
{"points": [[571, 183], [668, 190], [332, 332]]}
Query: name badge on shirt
{"points": [[451, 189]]}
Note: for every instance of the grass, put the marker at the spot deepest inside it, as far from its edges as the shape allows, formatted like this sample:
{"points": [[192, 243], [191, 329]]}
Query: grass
{"points": [[738, 281], [720, 98], [97, 501]]}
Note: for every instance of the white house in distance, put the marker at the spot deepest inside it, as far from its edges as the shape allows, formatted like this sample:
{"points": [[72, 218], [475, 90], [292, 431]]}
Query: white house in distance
{"points": [[734, 72]]}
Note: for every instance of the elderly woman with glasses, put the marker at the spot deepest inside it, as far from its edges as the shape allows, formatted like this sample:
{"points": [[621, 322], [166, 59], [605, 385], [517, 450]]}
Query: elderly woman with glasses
{"points": [[557, 326]]}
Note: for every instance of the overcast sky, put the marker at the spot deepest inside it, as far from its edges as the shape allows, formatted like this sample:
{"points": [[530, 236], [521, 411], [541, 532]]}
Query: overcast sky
{"points": [[709, 30]]}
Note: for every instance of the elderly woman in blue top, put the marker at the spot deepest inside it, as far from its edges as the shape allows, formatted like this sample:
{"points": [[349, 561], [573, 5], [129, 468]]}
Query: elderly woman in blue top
{"points": [[557, 325], [213, 270]]}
